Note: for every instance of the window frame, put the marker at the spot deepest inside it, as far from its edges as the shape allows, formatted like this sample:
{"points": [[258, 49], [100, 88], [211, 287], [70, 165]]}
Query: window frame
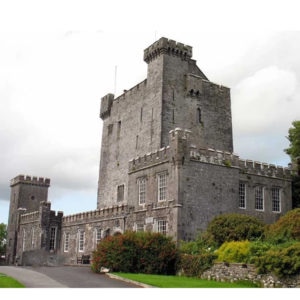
{"points": [[67, 242], [120, 188], [276, 201], [81, 240], [162, 226], [162, 184], [242, 195], [259, 198], [142, 190]]}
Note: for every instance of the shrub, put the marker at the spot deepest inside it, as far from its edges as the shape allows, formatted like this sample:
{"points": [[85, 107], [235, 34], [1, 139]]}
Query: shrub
{"points": [[195, 265], [235, 227], [282, 262], [141, 252], [286, 228], [202, 244], [234, 252]]}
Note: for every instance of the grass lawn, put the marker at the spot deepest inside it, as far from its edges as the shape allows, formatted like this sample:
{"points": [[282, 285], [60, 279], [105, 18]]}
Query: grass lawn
{"points": [[163, 281], [9, 282]]}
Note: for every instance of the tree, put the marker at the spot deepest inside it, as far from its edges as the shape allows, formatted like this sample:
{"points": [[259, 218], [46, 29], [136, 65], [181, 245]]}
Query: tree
{"points": [[2, 238], [294, 137], [294, 152]]}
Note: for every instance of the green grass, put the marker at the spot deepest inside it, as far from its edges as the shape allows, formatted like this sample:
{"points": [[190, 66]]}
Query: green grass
{"points": [[163, 281], [9, 282]]}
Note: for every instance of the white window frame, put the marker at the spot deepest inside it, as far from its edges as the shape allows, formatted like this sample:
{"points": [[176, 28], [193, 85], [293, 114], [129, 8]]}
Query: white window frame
{"points": [[276, 199], [97, 236], [162, 186], [259, 198], [142, 190], [242, 195], [162, 226], [81, 240], [67, 242]]}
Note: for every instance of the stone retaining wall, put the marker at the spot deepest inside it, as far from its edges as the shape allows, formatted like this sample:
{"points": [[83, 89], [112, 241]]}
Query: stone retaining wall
{"points": [[235, 272]]}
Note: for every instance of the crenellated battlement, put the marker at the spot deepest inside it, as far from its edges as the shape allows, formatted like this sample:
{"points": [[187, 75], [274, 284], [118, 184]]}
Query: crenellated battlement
{"points": [[33, 180], [108, 212], [149, 159], [228, 159], [30, 217], [106, 103], [166, 46]]}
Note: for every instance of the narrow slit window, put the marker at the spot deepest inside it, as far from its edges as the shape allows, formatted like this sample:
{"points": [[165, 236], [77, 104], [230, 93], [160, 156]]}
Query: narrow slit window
{"points": [[199, 115]]}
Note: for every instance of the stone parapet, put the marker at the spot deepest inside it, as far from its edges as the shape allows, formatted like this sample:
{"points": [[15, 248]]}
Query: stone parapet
{"points": [[33, 180], [228, 159], [30, 217], [149, 159], [108, 212]]}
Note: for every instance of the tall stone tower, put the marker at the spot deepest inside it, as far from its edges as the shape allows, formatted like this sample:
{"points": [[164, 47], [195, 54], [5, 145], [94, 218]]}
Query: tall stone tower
{"points": [[26, 194], [176, 94]]}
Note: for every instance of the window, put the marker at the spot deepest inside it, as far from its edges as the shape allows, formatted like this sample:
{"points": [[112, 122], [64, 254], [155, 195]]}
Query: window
{"points": [[199, 116], [81, 239], [136, 142], [32, 238], [276, 203], [259, 198], [242, 195], [67, 242], [119, 129], [162, 186], [120, 193], [139, 227], [98, 235], [110, 129], [24, 240], [162, 226], [52, 243], [142, 190]]}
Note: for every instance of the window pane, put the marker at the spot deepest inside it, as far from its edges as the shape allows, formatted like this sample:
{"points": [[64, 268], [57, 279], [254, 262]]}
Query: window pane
{"points": [[242, 195], [142, 190], [276, 199], [259, 198], [162, 187]]}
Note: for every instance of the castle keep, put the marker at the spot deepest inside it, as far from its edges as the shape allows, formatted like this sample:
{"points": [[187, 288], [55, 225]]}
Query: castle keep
{"points": [[167, 165]]}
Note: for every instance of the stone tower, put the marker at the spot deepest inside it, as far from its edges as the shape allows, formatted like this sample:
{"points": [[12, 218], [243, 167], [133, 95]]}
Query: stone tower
{"points": [[26, 194], [176, 94]]}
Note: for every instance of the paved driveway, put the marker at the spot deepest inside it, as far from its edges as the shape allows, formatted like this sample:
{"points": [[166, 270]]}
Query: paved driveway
{"points": [[65, 276]]}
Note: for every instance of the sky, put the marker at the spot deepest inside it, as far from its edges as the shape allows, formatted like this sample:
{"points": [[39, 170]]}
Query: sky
{"points": [[58, 58]]}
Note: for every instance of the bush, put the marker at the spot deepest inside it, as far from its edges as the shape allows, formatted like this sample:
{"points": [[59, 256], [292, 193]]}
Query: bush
{"points": [[194, 265], [234, 252], [286, 228], [141, 252], [282, 262], [202, 244], [235, 227]]}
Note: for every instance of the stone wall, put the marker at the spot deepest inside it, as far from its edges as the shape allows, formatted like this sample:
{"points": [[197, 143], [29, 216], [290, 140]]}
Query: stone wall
{"points": [[233, 272]]}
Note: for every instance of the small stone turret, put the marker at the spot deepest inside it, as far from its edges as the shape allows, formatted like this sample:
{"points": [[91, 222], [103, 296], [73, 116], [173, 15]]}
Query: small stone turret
{"points": [[166, 46], [106, 104]]}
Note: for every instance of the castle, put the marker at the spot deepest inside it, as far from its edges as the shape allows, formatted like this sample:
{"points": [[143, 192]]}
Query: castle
{"points": [[167, 165]]}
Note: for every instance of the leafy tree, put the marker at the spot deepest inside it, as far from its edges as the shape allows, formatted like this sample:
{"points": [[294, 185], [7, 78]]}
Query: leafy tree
{"points": [[2, 238], [294, 152], [294, 137]]}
